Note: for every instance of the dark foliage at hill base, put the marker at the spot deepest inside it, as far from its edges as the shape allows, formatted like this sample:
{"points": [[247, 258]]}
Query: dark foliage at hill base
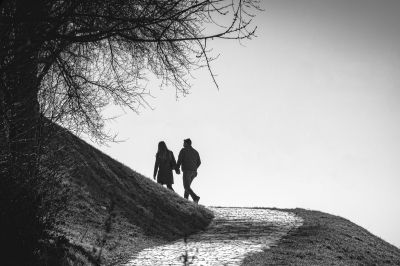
{"points": [[326, 239]]}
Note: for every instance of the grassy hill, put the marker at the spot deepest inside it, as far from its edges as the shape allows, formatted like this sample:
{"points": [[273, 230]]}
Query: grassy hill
{"points": [[325, 239], [114, 211]]}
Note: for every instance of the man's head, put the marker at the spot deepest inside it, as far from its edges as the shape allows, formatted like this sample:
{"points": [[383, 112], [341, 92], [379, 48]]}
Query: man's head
{"points": [[187, 143]]}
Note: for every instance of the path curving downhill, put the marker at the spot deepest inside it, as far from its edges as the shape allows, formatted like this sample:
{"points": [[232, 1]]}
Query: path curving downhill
{"points": [[233, 234]]}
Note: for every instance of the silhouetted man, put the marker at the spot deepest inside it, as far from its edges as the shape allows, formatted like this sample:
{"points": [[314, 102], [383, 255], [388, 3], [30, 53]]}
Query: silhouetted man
{"points": [[189, 158]]}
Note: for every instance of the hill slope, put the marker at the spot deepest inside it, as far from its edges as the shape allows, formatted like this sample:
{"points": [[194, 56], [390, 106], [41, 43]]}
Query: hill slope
{"points": [[325, 239], [114, 211]]}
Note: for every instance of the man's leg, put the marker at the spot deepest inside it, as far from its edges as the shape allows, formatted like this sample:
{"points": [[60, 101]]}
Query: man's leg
{"points": [[193, 195], [170, 187], [186, 184], [188, 177]]}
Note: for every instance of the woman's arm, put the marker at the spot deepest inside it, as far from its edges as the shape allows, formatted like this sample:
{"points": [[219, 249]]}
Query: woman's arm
{"points": [[156, 165], [174, 164]]}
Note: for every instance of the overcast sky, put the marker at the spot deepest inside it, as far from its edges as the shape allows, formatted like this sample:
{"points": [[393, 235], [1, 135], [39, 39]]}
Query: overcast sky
{"points": [[307, 115]]}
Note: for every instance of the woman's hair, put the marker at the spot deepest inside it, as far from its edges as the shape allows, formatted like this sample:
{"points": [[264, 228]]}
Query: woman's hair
{"points": [[162, 152]]}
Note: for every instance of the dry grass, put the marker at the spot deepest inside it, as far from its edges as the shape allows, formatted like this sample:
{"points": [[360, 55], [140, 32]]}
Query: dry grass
{"points": [[325, 239], [115, 212], [144, 213]]}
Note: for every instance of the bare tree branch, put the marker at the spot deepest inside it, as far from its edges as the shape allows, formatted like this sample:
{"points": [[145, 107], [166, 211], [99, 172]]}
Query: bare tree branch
{"points": [[91, 53]]}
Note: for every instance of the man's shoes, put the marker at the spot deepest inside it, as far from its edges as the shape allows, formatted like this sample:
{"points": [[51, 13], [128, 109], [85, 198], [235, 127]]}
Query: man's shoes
{"points": [[197, 200]]}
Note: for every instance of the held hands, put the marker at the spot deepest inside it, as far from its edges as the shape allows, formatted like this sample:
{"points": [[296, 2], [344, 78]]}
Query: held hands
{"points": [[177, 171]]}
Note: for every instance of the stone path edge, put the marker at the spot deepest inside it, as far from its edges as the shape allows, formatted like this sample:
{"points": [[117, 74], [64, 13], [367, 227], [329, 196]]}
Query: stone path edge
{"points": [[289, 212]]}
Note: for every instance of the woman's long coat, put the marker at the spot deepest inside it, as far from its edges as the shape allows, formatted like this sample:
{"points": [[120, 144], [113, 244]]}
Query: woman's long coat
{"points": [[164, 166]]}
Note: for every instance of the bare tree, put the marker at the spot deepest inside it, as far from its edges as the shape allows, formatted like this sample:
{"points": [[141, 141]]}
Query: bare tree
{"points": [[66, 60], [78, 56]]}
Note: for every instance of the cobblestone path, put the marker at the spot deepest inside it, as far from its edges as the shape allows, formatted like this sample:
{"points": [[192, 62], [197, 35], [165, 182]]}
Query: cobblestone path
{"points": [[233, 234]]}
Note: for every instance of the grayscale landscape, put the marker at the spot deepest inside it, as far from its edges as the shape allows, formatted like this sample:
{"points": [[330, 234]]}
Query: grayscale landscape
{"points": [[199, 132]]}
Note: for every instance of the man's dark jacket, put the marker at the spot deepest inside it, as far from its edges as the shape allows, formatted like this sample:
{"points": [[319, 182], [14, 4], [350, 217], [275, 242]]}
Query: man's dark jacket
{"points": [[189, 158]]}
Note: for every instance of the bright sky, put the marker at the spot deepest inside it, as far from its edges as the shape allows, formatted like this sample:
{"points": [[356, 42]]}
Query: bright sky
{"points": [[307, 116]]}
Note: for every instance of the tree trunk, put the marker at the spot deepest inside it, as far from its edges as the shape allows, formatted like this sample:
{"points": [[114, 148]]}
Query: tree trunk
{"points": [[21, 121], [19, 125], [19, 103]]}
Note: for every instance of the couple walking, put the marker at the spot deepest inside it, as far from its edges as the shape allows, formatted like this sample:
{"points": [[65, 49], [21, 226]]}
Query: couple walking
{"points": [[188, 159]]}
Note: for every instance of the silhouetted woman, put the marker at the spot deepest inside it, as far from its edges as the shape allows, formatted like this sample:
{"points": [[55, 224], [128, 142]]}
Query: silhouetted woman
{"points": [[165, 163]]}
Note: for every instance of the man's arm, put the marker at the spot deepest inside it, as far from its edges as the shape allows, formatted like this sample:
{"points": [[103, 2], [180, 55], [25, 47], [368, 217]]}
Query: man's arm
{"points": [[179, 162], [198, 160], [175, 166]]}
